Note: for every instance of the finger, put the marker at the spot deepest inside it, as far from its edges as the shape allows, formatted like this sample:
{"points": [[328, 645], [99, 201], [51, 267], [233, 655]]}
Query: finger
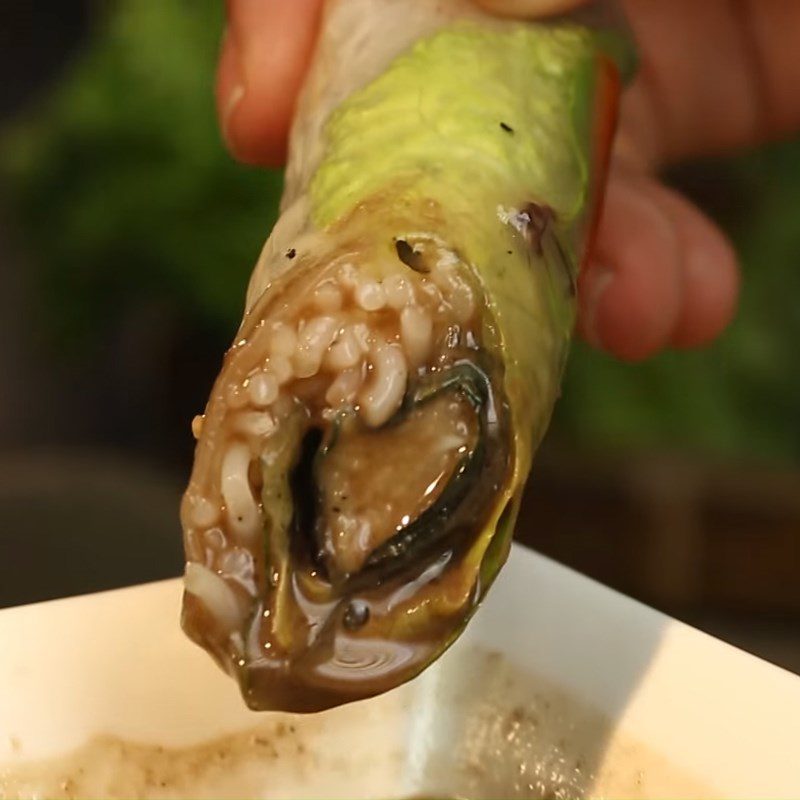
{"points": [[710, 273], [262, 65], [529, 8], [774, 26], [630, 295], [714, 75]]}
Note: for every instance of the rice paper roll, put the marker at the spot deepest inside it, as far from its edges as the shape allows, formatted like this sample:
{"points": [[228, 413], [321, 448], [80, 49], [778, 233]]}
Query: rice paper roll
{"points": [[362, 456]]}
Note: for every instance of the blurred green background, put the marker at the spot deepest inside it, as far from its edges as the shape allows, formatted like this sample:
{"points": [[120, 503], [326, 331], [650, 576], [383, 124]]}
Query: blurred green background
{"points": [[135, 234]]}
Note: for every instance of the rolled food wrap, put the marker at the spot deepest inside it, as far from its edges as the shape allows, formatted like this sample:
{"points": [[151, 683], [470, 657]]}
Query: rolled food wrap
{"points": [[362, 455]]}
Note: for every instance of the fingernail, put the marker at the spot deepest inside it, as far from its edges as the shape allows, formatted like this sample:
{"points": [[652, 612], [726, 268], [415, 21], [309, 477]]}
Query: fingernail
{"points": [[234, 98], [599, 281], [230, 83]]}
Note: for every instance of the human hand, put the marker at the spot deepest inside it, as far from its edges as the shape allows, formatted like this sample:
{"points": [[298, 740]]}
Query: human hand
{"points": [[714, 76]]}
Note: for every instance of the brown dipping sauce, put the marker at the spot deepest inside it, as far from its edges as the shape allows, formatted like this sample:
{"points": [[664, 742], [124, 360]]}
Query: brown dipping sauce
{"points": [[519, 738]]}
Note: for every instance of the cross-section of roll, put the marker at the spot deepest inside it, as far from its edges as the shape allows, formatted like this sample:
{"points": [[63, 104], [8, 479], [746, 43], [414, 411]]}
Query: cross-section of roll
{"points": [[362, 455]]}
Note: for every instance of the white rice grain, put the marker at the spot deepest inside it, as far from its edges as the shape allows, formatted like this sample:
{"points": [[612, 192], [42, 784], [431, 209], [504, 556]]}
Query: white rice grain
{"points": [[345, 352], [313, 340], [255, 423], [202, 512], [215, 594], [282, 341], [370, 296], [384, 393], [280, 368], [262, 388], [197, 425], [345, 387], [241, 509], [399, 291], [416, 334]]}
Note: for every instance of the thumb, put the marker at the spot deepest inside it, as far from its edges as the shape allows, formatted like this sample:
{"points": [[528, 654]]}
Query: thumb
{"points": [[529, 8]]}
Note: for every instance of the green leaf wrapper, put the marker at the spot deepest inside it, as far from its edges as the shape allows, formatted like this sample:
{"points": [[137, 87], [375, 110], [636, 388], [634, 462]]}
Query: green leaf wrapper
{"points": [[461, 170]]}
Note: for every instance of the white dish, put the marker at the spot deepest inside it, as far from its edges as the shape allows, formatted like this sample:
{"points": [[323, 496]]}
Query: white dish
{"points": [[559, 684]]}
